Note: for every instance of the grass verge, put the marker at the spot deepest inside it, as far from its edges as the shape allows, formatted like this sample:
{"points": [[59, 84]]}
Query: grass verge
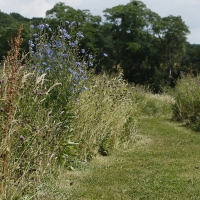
{"points": [[162, 164]]}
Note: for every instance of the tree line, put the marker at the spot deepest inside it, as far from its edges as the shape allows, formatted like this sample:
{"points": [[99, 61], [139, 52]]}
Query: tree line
{"points": [[148, 49]]}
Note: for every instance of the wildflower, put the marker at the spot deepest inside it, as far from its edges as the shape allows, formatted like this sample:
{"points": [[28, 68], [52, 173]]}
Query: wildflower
{"points": [[77, 63], [32, 45], [83, 50], [1, 109], [76, 78], [72, 23], [58, 43], [30, 42], [65, 55], [72, 44], [85, 88], [67, 22], [79, 34], [35, 34], [83, 78], [47, 25], [22, 137], [31, 26], [90, 64], [41, 26], [90, 56], [49, 29], [76, 42], [67, 36], [81, 70], [105, 54], [73, 72]]}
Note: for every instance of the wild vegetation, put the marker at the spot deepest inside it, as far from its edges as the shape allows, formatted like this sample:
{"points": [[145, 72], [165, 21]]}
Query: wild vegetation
{"points": [[70, 93]]}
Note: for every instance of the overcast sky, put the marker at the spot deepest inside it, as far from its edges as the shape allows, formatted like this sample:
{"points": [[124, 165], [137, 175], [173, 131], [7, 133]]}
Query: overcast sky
{"points": [[189, 10]]}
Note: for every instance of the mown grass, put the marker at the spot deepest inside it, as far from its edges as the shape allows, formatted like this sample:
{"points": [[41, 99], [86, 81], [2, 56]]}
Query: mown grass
{"points": [[162, 164]]}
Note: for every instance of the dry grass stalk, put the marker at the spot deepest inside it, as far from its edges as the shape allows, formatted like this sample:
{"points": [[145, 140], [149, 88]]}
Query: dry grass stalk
{"points": [[12, 76]]}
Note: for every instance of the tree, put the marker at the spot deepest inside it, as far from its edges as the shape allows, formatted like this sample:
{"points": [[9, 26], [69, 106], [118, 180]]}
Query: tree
{"points": [[130, 29], [171, 32]]}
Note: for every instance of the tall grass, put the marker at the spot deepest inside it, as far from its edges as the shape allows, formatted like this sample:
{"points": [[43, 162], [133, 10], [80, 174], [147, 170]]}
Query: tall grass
{"points": [[187, 100], [106, 116]]}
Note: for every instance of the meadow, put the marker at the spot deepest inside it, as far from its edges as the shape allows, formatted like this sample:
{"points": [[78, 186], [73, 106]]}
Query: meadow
{"points": [[64, 128]]}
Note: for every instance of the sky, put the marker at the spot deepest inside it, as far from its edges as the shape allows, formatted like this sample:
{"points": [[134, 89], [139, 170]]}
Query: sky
{"points": [[187, 9]]}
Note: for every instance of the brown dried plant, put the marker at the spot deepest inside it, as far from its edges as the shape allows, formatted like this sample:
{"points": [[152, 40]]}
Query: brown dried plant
{"points": [[12, 79]]}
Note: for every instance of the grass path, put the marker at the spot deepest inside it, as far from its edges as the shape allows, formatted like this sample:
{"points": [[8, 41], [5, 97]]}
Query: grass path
{"points": [[163, 164]]}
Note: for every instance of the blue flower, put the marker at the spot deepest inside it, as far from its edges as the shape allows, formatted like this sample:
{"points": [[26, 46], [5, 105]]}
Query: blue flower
{"points": [[49, 52], [83, 50], [105, 54], [30, 42], [67, 36], [77, 63], [65, 55], [58, 44], [90, 64], [76, 42], [31, 26], [72, 23], [41, 26], [79, 34], [81, 70], [85, 88], [84, 78], [72, 44], [35, 34], [90, 56]]}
